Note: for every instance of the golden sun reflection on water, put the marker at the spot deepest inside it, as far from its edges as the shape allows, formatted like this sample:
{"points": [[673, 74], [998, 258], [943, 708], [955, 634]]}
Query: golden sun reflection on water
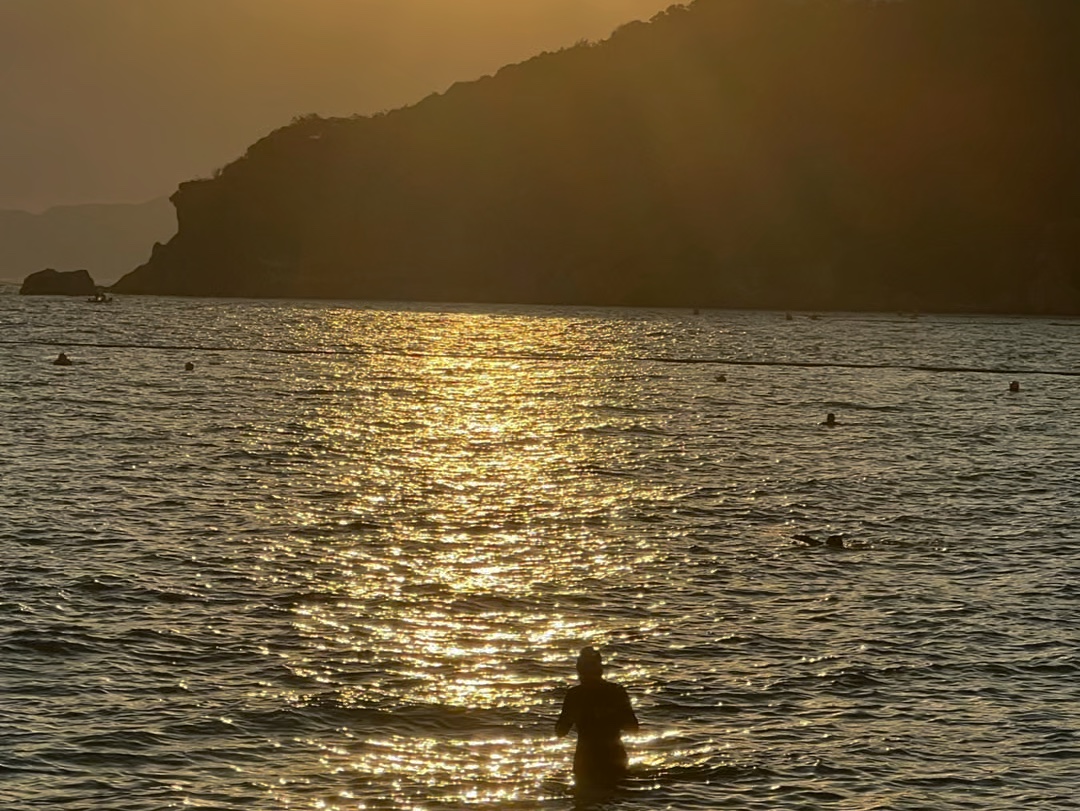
{"points": [[443, 597]]}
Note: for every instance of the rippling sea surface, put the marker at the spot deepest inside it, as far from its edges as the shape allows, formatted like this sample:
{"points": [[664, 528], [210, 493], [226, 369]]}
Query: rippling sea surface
{"points": [[347, 561]]}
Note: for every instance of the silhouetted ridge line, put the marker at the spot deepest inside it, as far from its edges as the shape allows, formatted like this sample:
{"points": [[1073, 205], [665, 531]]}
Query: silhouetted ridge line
{"points": [[551, 358], [742, 154]]}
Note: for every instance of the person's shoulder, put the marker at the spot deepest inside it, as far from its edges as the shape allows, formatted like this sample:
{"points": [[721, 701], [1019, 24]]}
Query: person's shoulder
{"points": [[614, 687]]}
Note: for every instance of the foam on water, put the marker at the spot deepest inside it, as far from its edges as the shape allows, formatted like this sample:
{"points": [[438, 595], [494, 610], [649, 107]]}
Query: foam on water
{"points": [[346, 561]]}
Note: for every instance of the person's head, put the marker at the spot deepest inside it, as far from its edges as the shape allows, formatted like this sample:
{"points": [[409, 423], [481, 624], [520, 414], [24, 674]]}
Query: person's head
{"points": [[589, 664], [830, 418]]}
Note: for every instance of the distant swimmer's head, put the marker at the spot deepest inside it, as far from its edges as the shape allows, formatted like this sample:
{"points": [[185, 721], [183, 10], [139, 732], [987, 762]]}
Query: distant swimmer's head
{"points": [[830, 419], [1014, 386], [589, 664], [189, 366]]}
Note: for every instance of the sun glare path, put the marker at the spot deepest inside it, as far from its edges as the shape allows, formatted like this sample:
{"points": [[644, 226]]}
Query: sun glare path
{"points": [[422, 605]]}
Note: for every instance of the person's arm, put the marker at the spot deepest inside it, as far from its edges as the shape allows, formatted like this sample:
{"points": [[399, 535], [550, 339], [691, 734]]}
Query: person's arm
{"points": [[567, 716]]}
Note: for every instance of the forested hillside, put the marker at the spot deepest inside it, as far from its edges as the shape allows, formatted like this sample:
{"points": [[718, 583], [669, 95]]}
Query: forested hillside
{"points": [[823, 154]]}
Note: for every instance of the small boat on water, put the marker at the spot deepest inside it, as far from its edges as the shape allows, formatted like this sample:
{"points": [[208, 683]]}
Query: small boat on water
{"points": [[100, 298]]}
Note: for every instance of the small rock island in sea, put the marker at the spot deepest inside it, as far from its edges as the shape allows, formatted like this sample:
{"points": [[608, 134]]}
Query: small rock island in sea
{"points": [[758, 154], [50, 282]]}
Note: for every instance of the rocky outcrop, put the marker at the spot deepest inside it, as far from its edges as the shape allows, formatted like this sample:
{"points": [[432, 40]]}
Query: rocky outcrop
{"points": [[106, 239], [51, 282]]}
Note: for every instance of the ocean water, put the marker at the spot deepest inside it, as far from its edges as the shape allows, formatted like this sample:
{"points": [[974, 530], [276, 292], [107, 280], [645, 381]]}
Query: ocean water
{"points": [[347, 561]]}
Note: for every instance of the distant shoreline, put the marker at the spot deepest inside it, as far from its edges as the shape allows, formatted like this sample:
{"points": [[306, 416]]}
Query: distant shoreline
{"points": [[407, 304]]}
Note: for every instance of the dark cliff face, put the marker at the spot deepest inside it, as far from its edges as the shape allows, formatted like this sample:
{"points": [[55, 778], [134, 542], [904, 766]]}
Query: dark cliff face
{"points": [[842, 154]]}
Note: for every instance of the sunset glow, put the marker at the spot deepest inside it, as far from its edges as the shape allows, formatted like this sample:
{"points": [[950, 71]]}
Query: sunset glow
{"points": [[120, 100]]}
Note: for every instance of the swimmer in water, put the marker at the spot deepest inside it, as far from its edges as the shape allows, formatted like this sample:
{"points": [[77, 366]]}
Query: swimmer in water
{"points": [[1014, 386], [832, 542], [830, 420], [601, 712], [189, 367], [62, 360]]}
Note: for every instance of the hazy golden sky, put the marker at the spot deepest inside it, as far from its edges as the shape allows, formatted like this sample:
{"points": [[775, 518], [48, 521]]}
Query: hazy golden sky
{"points": [[119, 100]]}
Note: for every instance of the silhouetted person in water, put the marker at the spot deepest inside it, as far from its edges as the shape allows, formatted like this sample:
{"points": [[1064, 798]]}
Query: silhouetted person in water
{"points": [[189, 367], [830, 420], [62, 360], [1014, 386], [601, 712]]}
